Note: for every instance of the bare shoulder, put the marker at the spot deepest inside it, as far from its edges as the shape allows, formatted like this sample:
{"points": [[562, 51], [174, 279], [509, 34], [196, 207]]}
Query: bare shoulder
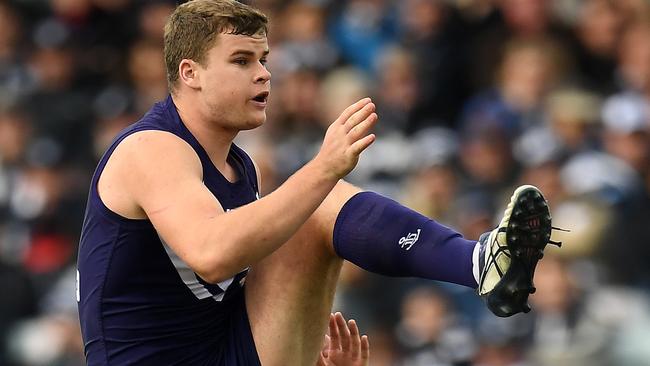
{"points": [[142, 163]]}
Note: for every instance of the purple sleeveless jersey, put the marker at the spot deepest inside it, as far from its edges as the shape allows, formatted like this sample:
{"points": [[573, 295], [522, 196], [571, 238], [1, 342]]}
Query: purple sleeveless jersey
{"points": [[139, 303]]}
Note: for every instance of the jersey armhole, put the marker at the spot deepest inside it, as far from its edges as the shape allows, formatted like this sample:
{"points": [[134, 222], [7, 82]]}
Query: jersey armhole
{"points": [[96, 199], [253, 174]]}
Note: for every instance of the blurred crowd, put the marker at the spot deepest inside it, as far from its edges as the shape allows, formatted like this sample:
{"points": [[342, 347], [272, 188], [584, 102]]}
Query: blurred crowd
{"points": [[474, 98]]}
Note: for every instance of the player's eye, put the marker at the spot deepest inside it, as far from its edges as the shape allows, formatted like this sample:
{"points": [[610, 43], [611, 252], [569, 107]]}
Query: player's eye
{"points": [[241, 61], [263, 61]]}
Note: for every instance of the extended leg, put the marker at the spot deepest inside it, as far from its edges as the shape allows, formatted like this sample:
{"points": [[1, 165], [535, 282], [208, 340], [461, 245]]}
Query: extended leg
{"points": [[289, 294]]}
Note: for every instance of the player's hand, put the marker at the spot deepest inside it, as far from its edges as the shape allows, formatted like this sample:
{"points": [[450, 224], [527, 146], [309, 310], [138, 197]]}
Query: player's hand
{"points": [[344, 346], [346, 138]]}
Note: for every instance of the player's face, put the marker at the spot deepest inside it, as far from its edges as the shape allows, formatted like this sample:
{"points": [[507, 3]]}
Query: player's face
{"points": [[235, 83]]}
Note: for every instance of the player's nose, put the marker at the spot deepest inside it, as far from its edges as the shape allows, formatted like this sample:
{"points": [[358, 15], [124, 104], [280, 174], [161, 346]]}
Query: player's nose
{"points": [[263, 76]]}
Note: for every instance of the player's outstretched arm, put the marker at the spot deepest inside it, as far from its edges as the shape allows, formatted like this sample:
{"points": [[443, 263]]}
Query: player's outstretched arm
{"points": [[161, 174], [344, 346]]}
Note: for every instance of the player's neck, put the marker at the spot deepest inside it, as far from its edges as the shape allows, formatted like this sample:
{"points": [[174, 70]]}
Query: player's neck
{"points": [[215, 139]]}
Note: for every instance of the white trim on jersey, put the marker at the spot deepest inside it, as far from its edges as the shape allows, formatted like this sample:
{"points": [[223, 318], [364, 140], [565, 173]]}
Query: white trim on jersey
{"points": [[189, 277]]}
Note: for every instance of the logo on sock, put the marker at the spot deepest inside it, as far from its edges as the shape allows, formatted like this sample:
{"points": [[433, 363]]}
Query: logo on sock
{"points": [[406, 242]]}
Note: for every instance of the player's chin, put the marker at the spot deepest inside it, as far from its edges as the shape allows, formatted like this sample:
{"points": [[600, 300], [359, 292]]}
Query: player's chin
{"points": [[255, 120]]}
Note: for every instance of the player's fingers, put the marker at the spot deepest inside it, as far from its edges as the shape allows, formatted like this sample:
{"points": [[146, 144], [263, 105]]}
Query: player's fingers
{"points": [[335, 339], [359, 116], [326, 347], [344, 332], [321, 360], [355, 340], [365, 347], [326, 343], [349, 111], [364, 127], [360, 145]]}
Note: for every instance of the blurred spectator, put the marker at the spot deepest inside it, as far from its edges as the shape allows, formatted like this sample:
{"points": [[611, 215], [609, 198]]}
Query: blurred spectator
{"points": [[11, 31], [529, 68], [362, 28], [152, 17], [59, 110], [577, 326], [572, 115], [106, 130], [429, 331], [486, 159], [15, 132], [501, 341], [53, 338], [385, 352], [634, 58], [14, 79], [18, 303], [297, 103], [432, 188], [527, 17], [304, 44], [627, 137], [312, 105], [15, 138], [19, 299], [512, 19], [598, 32], [430, 31], [627, 130], [473, 213], [571, 125], [397, 90], [147, 73]]}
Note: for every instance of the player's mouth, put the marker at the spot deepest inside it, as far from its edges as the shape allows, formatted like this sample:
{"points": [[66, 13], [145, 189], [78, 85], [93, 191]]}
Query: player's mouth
{"points": [[261, 99]]}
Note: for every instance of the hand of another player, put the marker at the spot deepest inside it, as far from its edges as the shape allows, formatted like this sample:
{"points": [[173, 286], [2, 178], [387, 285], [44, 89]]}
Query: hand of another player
{"points": [[344, 346], [347, 138]]}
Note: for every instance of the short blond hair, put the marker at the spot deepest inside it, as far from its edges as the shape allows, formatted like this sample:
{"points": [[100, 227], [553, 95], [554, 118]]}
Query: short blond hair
{"points": [[193, 27]]}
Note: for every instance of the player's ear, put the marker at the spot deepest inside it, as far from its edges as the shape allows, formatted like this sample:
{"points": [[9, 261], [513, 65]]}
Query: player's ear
{"points": [[188, 73]]}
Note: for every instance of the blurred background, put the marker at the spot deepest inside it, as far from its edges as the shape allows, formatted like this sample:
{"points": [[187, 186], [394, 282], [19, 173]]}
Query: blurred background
{"points": [[475, 97]]}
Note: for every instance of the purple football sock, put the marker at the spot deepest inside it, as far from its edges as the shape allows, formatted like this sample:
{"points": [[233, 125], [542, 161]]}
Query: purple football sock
{"points": [[382, 236]]}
